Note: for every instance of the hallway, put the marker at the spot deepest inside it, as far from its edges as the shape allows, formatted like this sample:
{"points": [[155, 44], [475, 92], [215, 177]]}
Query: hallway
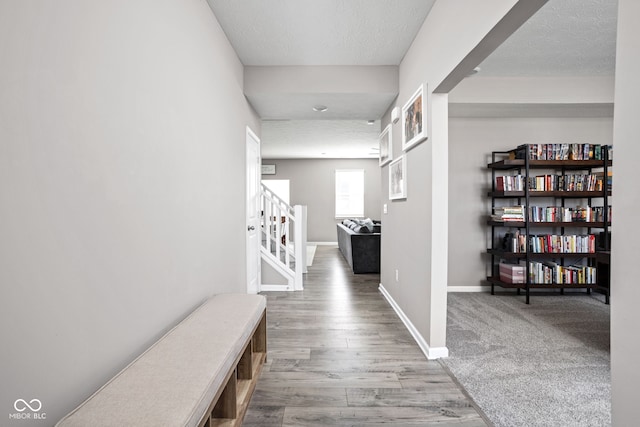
{"points": [[339, 355]]}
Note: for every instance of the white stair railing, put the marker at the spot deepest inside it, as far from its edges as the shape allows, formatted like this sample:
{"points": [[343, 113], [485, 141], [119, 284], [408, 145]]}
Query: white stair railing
{"points": [[284, 237]]}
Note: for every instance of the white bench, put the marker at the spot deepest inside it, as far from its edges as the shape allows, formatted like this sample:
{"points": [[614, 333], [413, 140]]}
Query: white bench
{"points": [[200, 374]]}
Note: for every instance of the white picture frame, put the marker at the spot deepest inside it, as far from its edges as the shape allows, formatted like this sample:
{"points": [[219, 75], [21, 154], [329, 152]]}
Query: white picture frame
{"points": [[398, 178], [385, 140], [268, 169], [414, 119]]}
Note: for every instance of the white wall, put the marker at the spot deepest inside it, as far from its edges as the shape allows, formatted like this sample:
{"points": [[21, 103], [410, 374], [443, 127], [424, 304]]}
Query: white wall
{"points": [[534, 90], [313, 184], [122, 129], [625, 292], [414, 238], [470, 144]]}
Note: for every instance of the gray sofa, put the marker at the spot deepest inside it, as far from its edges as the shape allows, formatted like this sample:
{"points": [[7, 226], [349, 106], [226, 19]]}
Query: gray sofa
{"points": [[360, 245]]}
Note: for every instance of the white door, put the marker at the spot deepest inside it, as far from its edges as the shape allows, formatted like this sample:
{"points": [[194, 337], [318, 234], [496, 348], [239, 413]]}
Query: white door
{"points": [[253, 212]]}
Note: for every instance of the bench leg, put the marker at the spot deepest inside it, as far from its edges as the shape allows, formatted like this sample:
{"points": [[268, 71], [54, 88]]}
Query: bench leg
{"points": [[259, 340], [245, 365], [226, 405]]}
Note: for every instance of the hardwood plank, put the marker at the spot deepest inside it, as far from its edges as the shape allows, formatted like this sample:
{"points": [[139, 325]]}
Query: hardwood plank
{"points": [[325, 333], [299, 396], [339, 355], [288, 353], [263, 416], [371, 352], [297, 342], [355, 342], [330, 379], [338, 316], [404, 416], [443, 384], [402, 368], [433, 376], [433, 379], [427, 397], [387, 325]]}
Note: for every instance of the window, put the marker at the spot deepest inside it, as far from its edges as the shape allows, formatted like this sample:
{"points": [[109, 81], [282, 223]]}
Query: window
{"points": [[349, 193]]}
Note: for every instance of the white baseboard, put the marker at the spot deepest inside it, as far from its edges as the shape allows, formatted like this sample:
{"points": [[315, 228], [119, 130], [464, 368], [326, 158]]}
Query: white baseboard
{"points": [[276, 288], [469, 288], [430, 352], [323, 243]]}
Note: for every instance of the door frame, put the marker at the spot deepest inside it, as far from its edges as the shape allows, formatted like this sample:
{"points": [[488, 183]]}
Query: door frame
{"points": [[252, 138]]}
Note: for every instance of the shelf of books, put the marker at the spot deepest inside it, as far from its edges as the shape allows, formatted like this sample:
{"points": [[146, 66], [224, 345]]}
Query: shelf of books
{"points": [[560, 241]]}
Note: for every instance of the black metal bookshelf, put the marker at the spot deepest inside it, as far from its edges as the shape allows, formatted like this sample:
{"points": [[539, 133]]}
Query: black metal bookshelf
{"points": [[508, 161]]}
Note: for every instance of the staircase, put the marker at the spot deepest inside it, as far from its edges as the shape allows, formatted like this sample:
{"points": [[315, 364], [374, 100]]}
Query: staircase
{"points": [[284, 241]]}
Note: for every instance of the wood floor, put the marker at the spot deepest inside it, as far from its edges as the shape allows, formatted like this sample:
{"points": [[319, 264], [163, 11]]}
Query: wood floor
{"points": [[339, 356]]}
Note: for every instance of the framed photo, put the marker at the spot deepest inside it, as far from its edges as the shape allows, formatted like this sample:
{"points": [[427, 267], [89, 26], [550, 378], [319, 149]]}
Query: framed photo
{"points": [[414, 120], [386, 151], [268, 169], [398, 179]]}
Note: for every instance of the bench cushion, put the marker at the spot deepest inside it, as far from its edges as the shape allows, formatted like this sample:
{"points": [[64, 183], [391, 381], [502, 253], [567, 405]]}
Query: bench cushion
{"points": [[175, 380]]}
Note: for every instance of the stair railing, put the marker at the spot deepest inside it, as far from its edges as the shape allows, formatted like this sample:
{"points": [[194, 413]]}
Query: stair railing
{"points": [[284, 235]]}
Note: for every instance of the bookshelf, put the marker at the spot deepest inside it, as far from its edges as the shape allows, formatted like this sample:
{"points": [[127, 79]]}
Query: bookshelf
{"points": [[550, 218]]}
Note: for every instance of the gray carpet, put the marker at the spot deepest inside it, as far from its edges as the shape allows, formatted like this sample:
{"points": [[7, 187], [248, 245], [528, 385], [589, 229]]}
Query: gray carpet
{"points": [[543, 364]]}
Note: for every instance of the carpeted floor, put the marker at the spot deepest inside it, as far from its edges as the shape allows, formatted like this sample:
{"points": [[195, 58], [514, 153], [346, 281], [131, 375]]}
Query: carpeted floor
{"points": [[543, 364]]}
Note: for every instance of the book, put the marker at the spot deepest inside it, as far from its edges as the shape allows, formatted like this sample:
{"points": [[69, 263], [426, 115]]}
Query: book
{"points": [[561, 151], [506, 183], [548, 272], [567, 182], [561, 244]]}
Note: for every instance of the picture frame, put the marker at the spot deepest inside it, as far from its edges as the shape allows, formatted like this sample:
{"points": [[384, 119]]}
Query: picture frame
{"points": [[268, 169], [398, 178], [385, 140], [414, 119]]}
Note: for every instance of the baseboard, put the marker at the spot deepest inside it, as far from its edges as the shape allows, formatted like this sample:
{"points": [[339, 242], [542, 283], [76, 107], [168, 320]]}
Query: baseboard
{"points": [[478, 288], [276, 288], [430, 352], [323, 243]]}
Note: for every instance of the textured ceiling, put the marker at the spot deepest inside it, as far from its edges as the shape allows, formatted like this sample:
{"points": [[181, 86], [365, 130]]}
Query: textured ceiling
{"points": [[315, 33], [565, 38], [299, 139], [321, 32], [341, 106]]}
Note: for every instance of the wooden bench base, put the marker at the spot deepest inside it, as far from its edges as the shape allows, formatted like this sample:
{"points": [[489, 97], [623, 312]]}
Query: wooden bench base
{"points": [[201, 373], [229, 407]]}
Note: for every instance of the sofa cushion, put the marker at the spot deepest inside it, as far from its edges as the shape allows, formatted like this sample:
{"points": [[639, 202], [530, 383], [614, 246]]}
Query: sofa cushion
{"points": [[359, 225], [347, 222], [368, 223], [362, 229]]}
